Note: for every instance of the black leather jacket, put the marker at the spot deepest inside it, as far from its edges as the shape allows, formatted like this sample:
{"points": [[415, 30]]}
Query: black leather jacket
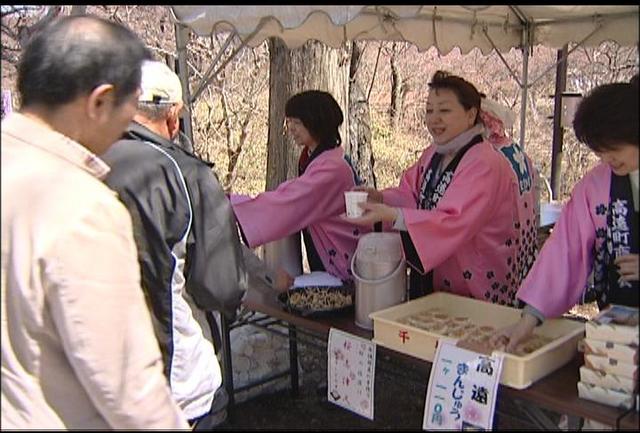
{"points": [[150, 175]]}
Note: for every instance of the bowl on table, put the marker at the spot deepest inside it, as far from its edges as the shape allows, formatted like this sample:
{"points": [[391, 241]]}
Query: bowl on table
{"points": [[317, 301]]}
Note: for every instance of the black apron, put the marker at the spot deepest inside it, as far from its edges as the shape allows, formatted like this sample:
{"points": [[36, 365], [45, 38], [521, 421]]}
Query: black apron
{"points": [[622, 238]]}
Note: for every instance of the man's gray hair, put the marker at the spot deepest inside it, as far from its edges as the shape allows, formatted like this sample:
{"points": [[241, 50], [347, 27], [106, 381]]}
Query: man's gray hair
{"points": [[153, 111]]}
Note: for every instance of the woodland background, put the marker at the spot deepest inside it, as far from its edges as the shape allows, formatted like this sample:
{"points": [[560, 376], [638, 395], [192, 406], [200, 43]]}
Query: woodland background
{"points": [[382, 85]]}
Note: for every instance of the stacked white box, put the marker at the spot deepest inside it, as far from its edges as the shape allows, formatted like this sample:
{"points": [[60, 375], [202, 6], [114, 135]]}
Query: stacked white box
{"points": [[610, 373]]}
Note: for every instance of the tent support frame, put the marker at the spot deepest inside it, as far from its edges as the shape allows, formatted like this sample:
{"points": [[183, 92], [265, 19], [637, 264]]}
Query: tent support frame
{"points": [[528, 28], [208, 76]]}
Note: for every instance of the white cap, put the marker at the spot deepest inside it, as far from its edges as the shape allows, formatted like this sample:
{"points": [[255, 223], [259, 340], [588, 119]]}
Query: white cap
{"points": [[159, 84]]}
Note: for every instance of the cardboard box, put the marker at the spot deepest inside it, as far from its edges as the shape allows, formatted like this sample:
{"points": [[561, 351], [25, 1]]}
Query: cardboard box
{"points": [[621, 352], [518, 371], [608, 380], [605, 396], [617, 324], [610, 365]]}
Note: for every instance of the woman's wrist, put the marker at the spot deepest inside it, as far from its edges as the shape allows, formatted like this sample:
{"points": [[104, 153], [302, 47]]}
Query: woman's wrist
{"points": [[529, 320], [534, 313]]}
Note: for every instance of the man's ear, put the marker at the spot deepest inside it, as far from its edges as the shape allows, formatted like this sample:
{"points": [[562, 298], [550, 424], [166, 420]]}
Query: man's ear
{"points": [[100, 101], [173, 120]]}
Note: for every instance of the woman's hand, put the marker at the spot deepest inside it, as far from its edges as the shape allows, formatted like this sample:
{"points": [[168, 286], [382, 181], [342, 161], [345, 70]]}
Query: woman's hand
{"points": [[373, 213], [512, 335], [373, 196], [628, 267]]}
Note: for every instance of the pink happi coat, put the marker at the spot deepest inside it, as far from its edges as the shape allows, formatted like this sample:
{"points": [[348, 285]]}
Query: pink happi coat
{"points": [[480, 239], [559, 276], [314, 200]]}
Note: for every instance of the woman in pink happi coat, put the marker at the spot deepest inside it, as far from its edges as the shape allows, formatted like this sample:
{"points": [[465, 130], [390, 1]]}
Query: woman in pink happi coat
{"points": [[598, 227], [313, 201], [467, 209]]}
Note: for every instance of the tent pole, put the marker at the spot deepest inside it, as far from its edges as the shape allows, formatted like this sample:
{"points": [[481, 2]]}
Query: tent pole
{"points": [[566, 55], [182, 38], [525, 88], [524, 84], [558, 130], [506, 64], [208, 76]]}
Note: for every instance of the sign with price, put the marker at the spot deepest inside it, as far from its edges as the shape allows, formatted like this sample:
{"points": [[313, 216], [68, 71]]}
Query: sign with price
{"points": [[351, 372], [462, 389]]}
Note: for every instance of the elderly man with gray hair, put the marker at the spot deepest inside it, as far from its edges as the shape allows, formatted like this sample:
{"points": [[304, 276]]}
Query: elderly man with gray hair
{"points": [[188, 245]]}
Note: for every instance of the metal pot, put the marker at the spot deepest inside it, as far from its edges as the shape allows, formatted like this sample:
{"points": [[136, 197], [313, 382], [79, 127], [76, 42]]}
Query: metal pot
{"points": [[377, 294], [378, 255]]}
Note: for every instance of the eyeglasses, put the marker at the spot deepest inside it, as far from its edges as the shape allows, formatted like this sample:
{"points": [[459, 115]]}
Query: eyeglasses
{"points": [[290, 122]]}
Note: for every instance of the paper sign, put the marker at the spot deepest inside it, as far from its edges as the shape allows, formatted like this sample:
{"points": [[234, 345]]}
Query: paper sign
{"points": [[351, 372], [317, 278], [462, 390]]}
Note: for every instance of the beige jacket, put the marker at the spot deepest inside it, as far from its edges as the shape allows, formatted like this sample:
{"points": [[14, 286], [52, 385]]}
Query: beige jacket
{"points": [[78, 349]]}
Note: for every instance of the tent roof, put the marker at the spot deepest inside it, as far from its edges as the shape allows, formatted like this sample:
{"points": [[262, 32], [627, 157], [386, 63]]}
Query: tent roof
{"points": [[446, 27]]}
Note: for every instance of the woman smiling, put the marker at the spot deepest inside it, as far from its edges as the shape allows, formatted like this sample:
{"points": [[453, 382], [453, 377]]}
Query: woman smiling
{"points": [[466, 209]]}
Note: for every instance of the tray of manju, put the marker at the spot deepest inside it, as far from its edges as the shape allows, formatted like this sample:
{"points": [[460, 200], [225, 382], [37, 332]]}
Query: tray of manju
{"points": [[463, 328], [415, 328]]}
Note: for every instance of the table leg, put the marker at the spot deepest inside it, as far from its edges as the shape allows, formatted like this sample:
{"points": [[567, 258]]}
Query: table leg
{"points": [[537, 416], [574, 423], [293, 359], [227, 369]]}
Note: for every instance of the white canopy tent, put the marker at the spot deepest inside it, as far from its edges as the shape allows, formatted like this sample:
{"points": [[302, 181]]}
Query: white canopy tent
{"points": [[488, 28], [467, 27]]}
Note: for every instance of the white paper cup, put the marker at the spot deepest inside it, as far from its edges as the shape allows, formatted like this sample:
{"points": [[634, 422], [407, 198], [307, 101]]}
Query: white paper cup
{"points": [[352, 198]]}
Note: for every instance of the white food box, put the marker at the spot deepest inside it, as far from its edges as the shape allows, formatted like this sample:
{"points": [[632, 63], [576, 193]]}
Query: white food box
{"points": [[620, 352], [617, 324], [608, 380], [605, 396], [517, 372], [610, 365]]}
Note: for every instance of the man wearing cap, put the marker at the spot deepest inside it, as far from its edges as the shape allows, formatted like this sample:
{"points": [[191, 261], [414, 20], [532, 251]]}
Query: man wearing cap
{"points": [[188, 246]]}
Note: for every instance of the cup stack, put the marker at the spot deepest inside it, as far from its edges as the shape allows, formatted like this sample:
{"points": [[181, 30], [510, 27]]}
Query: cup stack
{"points": [[610, 371]]}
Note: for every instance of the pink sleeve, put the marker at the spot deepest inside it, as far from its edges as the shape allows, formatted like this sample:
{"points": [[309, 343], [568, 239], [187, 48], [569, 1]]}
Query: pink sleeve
{"points": [[559, 275], [296, 204], [464, 210], [238, 198]]}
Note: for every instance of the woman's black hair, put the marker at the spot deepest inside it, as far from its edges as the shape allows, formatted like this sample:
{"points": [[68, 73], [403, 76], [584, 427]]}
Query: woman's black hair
{"points": [[467, 94], [321, 116], [608, 116]]}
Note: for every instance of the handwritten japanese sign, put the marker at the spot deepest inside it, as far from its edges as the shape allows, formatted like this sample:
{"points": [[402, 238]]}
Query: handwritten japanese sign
{"points": [[351, 372], [462, 389]]}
